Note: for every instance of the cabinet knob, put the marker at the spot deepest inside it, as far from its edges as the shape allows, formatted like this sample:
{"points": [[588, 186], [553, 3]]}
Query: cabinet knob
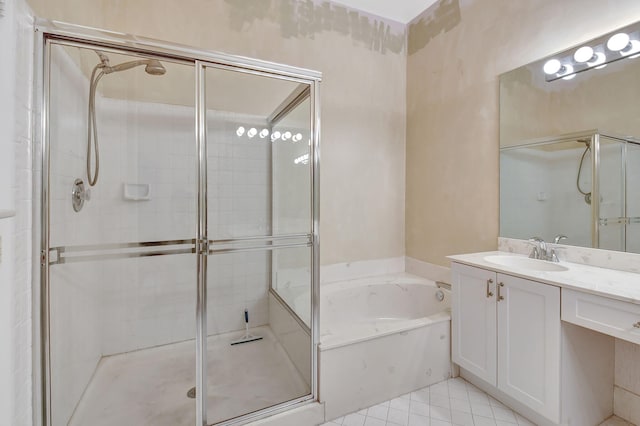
{"points": [[489, 293], [637, 325], [500, 297]]}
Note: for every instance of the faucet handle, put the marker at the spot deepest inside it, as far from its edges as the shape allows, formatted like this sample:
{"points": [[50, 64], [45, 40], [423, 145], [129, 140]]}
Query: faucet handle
{"points": [[539, 250], [559, 237], [553, 257]]}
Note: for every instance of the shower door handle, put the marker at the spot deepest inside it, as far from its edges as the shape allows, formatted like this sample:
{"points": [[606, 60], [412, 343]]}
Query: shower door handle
{"points": [[489, 293]]}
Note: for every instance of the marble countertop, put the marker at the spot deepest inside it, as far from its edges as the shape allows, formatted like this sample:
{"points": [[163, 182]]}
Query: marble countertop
{"points": [[609, 283]]}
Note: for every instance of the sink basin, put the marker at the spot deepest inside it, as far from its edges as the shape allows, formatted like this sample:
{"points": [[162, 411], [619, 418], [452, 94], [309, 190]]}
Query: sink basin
{"points": [[525, 263]]}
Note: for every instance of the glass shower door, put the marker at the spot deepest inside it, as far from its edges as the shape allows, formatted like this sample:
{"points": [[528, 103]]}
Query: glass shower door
{"points": [[259, 210], [633, 200], [121, 274], [611, 201]]}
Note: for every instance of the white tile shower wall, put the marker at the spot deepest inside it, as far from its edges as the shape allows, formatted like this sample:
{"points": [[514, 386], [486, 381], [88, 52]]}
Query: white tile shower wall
{"points": [[237, 281], [16, 71], [544, 200], [523, 175], [155, 144], [239, 177]]}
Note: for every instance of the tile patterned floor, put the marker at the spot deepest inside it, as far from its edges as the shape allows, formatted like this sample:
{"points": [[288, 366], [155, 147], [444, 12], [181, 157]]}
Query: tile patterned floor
{"points": [[452, 402]]}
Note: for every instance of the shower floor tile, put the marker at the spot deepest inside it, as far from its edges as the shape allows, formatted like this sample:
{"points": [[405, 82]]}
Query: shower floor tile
{"points": [[149, 386]]}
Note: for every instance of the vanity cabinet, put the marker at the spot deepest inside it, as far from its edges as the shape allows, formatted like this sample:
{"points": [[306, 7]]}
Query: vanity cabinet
{"points": [[506, 331]]}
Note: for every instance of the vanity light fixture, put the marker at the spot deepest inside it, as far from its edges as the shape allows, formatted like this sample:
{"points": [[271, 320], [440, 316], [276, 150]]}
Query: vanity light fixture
{"points": [[620, 44]]}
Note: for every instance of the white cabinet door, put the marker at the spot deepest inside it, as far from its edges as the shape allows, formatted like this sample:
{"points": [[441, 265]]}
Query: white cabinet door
{"points": [[529, 343], [473, 321]]}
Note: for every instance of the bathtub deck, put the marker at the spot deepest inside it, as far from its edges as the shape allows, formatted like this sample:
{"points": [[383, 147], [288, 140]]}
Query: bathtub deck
{"points": [[149, 387]]}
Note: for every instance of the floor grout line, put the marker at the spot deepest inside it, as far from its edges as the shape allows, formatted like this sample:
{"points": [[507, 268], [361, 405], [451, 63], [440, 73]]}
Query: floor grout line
{"points": [[417, 398]]}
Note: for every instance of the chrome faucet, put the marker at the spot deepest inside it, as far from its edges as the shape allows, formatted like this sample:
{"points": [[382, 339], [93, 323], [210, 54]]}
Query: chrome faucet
{"points": [[559, 237], [540, 250]]}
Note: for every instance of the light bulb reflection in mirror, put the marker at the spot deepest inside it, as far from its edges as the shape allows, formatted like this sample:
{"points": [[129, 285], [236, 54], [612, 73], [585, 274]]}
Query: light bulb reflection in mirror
{"points": [[618, 42], [552, 66]]}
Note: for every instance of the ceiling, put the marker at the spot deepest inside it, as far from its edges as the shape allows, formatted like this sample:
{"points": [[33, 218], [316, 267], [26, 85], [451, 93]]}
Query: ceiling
{"points": [[398, 10]]}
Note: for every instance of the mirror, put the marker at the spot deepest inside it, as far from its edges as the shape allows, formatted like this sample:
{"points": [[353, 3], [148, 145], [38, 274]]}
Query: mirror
{"points": [[570, 147]]}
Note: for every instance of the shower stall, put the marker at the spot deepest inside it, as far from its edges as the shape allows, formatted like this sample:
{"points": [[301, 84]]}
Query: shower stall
{"points": [[583, 186], [179, 215]]}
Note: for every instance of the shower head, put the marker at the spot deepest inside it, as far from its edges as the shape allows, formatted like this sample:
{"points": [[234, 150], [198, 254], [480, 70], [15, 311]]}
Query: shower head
{"points": [[152, 67], [585, 141]]}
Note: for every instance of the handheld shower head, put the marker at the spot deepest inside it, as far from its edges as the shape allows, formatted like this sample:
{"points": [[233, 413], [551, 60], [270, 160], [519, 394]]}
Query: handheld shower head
{"points": [[154, 67]]}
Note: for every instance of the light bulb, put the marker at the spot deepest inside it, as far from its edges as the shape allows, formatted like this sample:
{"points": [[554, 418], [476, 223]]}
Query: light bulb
{"points": [[632, 49], [252, 132], [297, 137], [275, 135], [240, 131], [264, 133], [618, 42], [584, 54], [568, 74], [286, 136], [598, 62], [552, 66]]}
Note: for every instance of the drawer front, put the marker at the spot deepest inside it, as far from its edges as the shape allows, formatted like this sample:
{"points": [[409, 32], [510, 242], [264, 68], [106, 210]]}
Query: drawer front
{"points": [[613, 317]]}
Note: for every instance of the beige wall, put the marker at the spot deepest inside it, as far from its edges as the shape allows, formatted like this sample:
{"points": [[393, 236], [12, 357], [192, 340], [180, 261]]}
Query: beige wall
{"points": [[457, 50], [363, 94]]}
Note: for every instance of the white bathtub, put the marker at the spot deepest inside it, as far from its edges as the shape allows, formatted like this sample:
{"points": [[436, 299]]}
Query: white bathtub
{"points": [[381, 337]]}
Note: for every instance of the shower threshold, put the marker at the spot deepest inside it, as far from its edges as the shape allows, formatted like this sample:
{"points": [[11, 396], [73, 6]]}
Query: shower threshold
{"points": [[149, 386]]}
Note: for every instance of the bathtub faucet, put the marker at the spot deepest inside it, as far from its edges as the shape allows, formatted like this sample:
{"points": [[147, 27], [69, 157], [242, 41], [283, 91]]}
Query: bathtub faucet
{"points": [[442, 284]]}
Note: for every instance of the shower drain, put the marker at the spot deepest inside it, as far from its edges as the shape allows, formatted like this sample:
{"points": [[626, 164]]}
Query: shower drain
{"points": [[191, 393]]}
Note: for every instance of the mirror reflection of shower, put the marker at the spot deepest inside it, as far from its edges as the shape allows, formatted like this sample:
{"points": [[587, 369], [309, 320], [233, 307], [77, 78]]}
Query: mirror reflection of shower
{"points": [[587, 195], [152, 67]]}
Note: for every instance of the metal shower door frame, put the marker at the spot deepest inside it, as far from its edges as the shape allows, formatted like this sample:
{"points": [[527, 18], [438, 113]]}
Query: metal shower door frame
{"points": [[49, 32]]}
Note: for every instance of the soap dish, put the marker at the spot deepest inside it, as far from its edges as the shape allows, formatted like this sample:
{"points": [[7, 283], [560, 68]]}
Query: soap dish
{"points": [[137, 191]]}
